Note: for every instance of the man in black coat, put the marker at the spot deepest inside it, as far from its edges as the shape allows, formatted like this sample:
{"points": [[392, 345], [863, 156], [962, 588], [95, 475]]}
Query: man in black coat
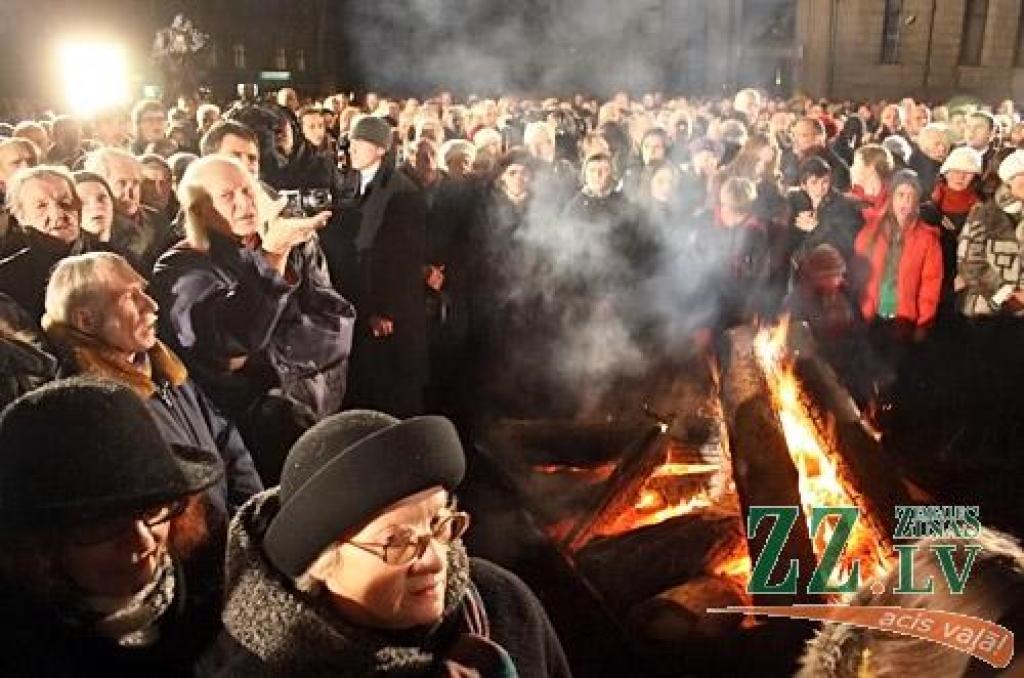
{"points": [[809, 139], [45, 229], [376, 256]]}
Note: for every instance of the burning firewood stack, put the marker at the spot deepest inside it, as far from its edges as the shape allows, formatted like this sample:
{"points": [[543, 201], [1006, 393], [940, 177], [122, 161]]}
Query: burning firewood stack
{"points": [[650, 507]]}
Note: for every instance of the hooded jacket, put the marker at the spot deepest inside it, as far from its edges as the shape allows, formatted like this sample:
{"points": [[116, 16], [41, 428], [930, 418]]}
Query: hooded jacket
{"points": [[271, 630]]}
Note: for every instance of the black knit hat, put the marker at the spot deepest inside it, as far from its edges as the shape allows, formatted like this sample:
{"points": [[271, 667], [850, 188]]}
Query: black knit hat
{"points": [[84, 449], [373, 129], [348, 468]]}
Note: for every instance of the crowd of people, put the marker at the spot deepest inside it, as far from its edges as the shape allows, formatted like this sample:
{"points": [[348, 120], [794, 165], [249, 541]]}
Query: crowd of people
{"points": [[222, 330]]}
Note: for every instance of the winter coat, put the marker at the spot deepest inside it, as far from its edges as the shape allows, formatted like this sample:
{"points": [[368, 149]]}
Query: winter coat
{"points": [[612, 217], [271, 630], [927, 170], [181, 411], [839, 222], [450, 220], [918, 277], [24, 363], [376, 255], [245, 331], [743, 266], [789, 164], [38, 641], [989, 253], [515, 316], [28, 256], [142, 238]]}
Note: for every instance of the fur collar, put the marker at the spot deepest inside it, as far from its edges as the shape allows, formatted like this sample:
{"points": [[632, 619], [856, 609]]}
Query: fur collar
{"points": [[94, 358], [836, 651], [293, 634]]}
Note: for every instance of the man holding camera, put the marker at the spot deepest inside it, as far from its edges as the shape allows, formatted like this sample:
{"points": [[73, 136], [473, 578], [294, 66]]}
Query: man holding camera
{"points": [[277, 381], [376, 255]]}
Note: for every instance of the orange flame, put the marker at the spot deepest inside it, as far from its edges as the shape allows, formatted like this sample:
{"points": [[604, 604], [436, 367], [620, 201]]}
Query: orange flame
{"points": [[817, 465]]}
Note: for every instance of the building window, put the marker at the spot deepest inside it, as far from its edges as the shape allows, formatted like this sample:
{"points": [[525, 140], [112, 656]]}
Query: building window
{"points": [[213, 57], [281, 59], [300, 60], [975, 16], [239, 52], [891, 31]]}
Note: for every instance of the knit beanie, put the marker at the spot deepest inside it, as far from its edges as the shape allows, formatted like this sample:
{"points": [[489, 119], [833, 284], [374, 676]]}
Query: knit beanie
{"points": [[372, 129]]}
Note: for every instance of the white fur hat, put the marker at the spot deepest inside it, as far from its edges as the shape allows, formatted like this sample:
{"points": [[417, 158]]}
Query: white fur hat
{"points": [[962, 159], [1011, 166]]}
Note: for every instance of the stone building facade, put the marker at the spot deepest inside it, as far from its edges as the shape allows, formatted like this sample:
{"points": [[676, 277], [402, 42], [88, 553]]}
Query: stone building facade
{"points": [[934, 49]]}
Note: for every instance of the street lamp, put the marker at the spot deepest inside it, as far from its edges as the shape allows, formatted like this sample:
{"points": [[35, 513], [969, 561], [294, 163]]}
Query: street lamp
{"points": [[94, 75]]}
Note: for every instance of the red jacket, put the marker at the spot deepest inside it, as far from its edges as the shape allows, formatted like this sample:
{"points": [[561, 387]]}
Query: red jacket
{"points": [[919, 278]]}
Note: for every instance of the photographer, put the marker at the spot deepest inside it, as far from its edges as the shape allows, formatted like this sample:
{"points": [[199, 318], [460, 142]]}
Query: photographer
{"points": [[250, 309]]}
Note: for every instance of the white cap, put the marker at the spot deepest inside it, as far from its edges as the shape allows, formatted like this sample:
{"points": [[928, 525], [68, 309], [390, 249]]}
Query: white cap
{"points": [[962, 159], [1011, 166]]}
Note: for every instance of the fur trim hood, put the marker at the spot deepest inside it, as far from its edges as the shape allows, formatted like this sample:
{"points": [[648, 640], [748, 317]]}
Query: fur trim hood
{"points": [[292, 634], [834, 652]]}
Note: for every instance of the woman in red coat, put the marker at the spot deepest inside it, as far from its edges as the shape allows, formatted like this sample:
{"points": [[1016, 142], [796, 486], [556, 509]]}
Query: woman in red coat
{"points": [[902, 262]]}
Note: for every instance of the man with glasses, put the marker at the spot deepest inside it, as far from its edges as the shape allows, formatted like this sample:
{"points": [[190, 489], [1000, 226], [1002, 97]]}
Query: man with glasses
{"points": [[354, 566], [98, 527]]}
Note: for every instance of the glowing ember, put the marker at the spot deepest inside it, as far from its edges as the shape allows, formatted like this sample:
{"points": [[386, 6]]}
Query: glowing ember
{"points": [[816, 464], [662, 497], [593, 474]]}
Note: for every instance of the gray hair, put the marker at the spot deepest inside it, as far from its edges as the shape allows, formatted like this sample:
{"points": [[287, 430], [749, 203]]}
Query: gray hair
{"points": [[77, 281], [192, 194], [453, 146], [536, 130], [27, 174], [98, 161], [307, 582], [941, 130]]}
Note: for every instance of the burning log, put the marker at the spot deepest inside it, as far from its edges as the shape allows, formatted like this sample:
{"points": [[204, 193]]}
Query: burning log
{"points": [[622, 487], [680, 613], [861, 460], [639, 564], [762, 467]]}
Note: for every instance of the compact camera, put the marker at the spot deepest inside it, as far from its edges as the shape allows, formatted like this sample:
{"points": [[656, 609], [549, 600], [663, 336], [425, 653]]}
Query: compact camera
{"points": [[306, 202]]}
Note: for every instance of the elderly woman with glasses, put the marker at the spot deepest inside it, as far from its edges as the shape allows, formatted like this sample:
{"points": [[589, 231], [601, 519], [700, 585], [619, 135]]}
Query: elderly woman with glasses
{"points": [[99, 521], [355, 567]]}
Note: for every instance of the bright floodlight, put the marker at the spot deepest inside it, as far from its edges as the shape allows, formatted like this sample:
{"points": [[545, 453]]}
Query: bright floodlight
{"points": [[95, 75]]}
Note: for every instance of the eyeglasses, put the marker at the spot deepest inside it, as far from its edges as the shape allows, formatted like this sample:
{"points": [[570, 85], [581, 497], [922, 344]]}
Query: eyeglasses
{"points": [[98, 533], [405, 546]]}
